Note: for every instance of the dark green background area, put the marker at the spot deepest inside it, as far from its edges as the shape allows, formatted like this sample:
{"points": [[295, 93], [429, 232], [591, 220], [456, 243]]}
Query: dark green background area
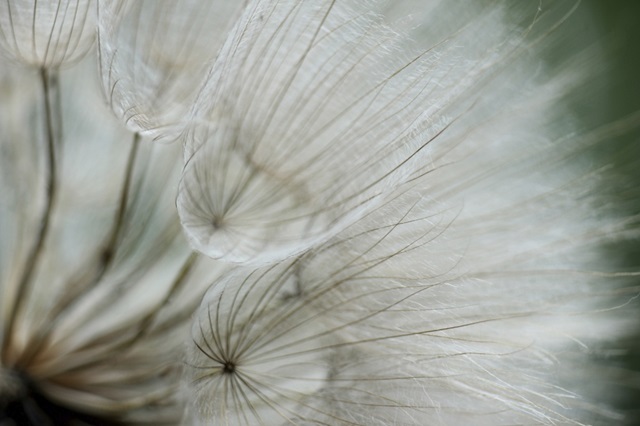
{"points": [[620, 21], [617, 24]]}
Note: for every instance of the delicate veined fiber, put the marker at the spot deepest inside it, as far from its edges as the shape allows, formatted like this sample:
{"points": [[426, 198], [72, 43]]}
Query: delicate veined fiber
{"points": [[244, 231], [153, 55], [99, 331], [394, 322], [47, 33], [251, 360], [319, 105]]}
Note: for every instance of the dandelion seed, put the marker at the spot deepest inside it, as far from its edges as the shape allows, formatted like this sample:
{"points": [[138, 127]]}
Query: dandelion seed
{"points": [[247, 365], [313, 111], [153, 55], [47, 33], [310, 114]]}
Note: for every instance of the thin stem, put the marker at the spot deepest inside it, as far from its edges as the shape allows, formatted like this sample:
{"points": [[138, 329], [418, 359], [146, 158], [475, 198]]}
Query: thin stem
{"points": [[45, 219], [108, 253], [104, 260], [144, 324]]}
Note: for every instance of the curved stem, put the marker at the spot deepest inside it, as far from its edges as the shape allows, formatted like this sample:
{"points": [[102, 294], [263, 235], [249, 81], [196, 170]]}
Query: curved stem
{"points": [[45, 219], [105, 259], [108, 252]]}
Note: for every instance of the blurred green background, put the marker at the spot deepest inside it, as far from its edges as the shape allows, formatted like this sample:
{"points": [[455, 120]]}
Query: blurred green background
{"points": [[617, 25]]}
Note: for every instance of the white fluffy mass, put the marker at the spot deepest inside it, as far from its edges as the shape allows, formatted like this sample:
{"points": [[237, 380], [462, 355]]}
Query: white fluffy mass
{"points": [[409, 211]]}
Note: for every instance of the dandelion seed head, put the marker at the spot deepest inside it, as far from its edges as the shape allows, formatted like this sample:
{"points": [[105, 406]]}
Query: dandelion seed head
{"points": [[308, 94], [411, 216], [47, 33], [240, 367], [153, 56], [233, 209], [340, 109]]}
